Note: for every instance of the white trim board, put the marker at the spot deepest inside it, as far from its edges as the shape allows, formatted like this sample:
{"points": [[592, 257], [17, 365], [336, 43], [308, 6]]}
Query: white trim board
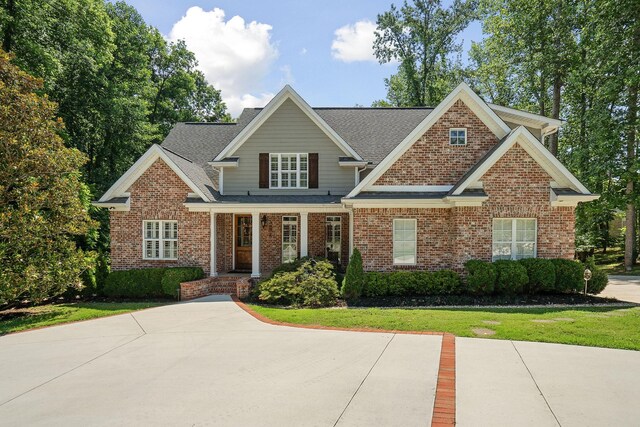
{"points": [[536, 150], [286, 93], [461, 92], [154, 153]]}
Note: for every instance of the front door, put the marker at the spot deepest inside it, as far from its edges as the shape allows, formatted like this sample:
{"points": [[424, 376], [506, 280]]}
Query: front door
{"points": [[243, 243]]}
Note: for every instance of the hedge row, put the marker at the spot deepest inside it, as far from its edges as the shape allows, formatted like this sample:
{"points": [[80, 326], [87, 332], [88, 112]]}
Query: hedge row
{"points": [[150, 282], [504, 277]]}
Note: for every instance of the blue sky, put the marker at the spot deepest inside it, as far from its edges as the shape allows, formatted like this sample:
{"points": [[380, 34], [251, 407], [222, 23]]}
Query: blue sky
{"points": [[250, 49]]}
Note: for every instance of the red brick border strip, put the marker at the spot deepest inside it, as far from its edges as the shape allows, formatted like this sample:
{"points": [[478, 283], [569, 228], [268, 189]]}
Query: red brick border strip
{"points": [[444, 409]]}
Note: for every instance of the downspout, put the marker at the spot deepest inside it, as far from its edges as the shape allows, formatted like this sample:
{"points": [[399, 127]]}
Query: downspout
{"points": [[551, 132]]}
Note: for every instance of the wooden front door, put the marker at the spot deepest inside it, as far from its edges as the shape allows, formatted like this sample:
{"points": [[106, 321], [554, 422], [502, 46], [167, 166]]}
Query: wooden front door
{"points": [[243, 243]]}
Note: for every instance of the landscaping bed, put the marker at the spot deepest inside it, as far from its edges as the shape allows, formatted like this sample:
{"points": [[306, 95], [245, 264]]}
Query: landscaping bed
{"points": [[484, 300]]}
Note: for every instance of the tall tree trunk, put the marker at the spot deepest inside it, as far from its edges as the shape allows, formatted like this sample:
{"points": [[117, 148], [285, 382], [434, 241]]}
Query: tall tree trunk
{"points": [[630, 233], [555, 113], [7, 39]]}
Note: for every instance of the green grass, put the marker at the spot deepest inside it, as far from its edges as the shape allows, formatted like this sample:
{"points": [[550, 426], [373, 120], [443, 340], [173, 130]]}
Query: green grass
{"points": [[47, 315], [594, 326], [612, 262]]}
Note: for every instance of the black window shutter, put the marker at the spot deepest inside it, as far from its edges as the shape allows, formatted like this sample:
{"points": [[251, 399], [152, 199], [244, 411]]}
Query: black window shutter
{"points": [[313, 170], [264, 170]]}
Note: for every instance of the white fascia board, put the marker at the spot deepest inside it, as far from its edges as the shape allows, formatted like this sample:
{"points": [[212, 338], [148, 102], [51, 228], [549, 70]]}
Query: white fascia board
{"points": [[358, 164], [286, 93], [246, 208], [118, 207], [410, 188], [471, 99], [536, 150], [140, 166], [396, 203], [225, 163], [571, 200], [526, 116], [466, 201]]}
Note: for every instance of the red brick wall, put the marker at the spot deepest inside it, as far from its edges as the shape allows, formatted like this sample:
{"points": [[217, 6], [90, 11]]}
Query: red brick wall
{"points": [[433, 161], [373, 230], [224, 242], [517, 188], [159, 194]]}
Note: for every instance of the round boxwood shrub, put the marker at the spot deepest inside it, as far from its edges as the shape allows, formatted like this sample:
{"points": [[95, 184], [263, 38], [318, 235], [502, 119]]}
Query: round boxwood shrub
{"points": [[511, 277], [402, 283], [425, 283], [313, 284], [376, 285], [569, 275], [599, 279], [481, 277], [541, 273], [141, 283]]}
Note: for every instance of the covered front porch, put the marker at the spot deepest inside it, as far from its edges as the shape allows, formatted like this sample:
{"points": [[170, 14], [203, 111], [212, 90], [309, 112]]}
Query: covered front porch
{"points": [[257, 238]]}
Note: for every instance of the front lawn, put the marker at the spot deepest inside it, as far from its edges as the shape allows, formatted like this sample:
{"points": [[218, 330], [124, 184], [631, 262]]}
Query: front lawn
{"points": [[47, 315], [614, 327]]}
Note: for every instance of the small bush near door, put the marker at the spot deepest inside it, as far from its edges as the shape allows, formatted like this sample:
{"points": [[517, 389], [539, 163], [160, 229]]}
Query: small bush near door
{"points": [[312, 284], [174, 276]]}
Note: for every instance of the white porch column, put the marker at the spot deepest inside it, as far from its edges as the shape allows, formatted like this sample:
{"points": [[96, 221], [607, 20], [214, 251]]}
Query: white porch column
{"points": [[255, 244], [350, 233], [304, 234], [213, 271]]}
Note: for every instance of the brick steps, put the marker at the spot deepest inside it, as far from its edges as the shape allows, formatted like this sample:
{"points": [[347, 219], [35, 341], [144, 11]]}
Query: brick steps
{"points": [[236, 286]]}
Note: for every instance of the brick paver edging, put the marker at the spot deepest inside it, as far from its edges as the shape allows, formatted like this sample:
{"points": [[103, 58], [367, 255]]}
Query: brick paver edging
{"points": [[444, 408]]}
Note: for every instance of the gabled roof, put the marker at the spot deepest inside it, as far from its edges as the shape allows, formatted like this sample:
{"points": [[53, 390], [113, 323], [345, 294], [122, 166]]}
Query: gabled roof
{"points": [[286, 93], [461, 92], [192, 174], [536, 150]]}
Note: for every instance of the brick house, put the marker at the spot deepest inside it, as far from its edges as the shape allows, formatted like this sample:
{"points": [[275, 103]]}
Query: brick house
{"points": [[411, 188]]}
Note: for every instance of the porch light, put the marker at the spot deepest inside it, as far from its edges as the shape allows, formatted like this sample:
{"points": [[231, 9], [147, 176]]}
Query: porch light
{"points": [[263, 221]]}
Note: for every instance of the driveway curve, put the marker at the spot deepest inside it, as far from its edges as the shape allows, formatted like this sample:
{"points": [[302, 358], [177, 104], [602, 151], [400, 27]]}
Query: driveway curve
{"points": [[207, 362]]}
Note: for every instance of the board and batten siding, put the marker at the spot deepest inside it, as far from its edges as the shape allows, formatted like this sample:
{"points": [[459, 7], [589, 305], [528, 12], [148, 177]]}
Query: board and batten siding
{"points": [[289, 130]]}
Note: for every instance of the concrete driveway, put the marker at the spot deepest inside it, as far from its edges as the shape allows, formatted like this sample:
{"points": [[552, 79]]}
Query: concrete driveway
{"points": [[208, 362], [624, 288]]}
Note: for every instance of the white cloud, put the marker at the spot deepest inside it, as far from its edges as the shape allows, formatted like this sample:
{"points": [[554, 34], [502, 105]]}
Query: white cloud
{"points": [[235, 56], [303, 51], [354, 42]]}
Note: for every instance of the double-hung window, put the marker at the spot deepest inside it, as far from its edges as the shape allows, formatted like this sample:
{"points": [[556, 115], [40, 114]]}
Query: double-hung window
{"points": [[514, 238], [289, 238], [289, 170], [404, 241], [458, 136], [160, 240]]}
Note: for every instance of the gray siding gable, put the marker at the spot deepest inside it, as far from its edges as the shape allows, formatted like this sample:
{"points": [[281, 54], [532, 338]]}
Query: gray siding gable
{"points": [[289, 130]]}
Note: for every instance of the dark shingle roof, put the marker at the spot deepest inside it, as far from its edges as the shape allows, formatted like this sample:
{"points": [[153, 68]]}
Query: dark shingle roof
{"points": [[417, 195], [298, 199], [371, 132], [566, 192]]}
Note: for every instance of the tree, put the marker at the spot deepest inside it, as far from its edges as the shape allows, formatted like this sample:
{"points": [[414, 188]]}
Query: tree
{"points": [[41, 193], [422, 38]]}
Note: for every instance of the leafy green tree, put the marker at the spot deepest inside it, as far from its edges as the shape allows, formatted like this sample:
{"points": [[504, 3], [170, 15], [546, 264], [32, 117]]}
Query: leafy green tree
{"points": [[41, 194], [421, 36]]}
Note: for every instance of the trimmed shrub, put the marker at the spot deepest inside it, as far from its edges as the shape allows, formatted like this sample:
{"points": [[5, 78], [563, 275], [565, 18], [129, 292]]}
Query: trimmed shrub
{"points": [[481, 277], [511, 277], [313, 284], [446, 282], [402, 283], [353, 282], [174, 276], [376, 285], [569, 275], [141, 283], [425, 283], [599, 279], [541, 273], [288, 267]]}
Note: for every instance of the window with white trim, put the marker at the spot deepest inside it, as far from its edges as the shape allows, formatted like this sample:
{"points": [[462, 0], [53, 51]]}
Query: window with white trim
{"points": [[458, 136], [160, 240], [404, 241], [288, 170], [289, 238], [514, 238], [333, 238]]}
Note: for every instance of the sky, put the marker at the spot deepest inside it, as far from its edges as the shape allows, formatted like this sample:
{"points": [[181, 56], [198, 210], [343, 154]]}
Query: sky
{"points": [[249, 49]]}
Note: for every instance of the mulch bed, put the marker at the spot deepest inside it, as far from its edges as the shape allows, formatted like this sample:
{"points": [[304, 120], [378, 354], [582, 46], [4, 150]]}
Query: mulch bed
{"points": [[480, 301]]}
